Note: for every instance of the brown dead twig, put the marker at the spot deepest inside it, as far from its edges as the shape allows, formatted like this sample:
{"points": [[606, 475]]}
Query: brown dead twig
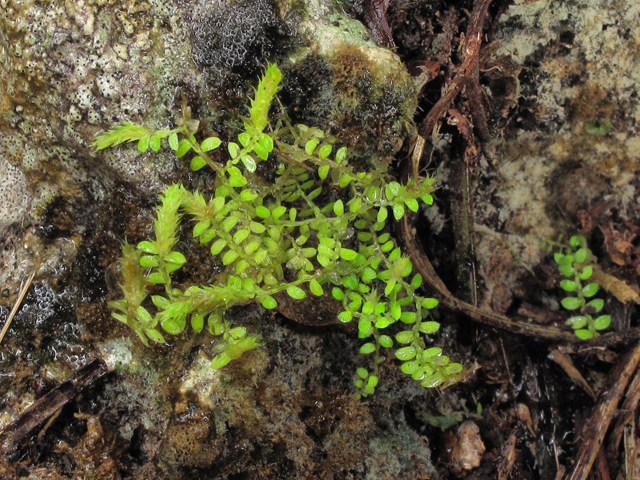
{"points": [[17, 304], [567, 365], [626, 417], [465, 74], [47, 406], [432, 280], [597, 425]]}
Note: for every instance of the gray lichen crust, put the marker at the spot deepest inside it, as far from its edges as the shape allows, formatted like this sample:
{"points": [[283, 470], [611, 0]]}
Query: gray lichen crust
{"points": [[14, 196]]}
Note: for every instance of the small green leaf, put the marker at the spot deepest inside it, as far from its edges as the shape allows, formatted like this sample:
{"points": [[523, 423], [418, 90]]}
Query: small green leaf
{"points": [[338, 208], [311, 146], [148, 261], [200, 227], [244, 138], [234, 149], [263, 212], [344, 180], [296, 292], [409, 367], [566, 270], [432, 380], [392, 190], [362, 373], [568, 285], [412, 204], [405, 353], [398, 211], [596, 304], [240, 236], [220, 361], [583, 334], [154, 335], [325, 151], [143, 143], [385, 341], [383, 322], [183, 148], [408, 317], [277, 212], [175, 257], [247, 195], [382, 214], [236, 179], [155, 277], [578, 241], [581, 255], [341, 154], [396, 310], [323, 171], [345, 316], [429, 327], [405, 337], [257, 227], [210, 143], [602, 322], [367, 348], [173, 141], [348, 254], [432, 352], [228, 223], [586, 273], [577, 322], [149, 247], [197, 322], [315, 288], [563, 259], [570, 303], [590, 290], [337, 294], [249, 163], [350, 281], [268, 302], [430, 303], [217, 246], [454, 368], [154, 143], [229, 257]]}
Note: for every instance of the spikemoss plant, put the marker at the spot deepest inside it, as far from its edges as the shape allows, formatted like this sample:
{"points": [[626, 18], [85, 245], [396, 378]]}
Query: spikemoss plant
{"points": [[319, 227], [576, 263]]}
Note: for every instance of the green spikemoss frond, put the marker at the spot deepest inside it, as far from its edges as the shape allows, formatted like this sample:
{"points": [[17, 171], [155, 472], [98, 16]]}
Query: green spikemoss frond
{"points": [[125, 132], [166, 224], [265, 93]]}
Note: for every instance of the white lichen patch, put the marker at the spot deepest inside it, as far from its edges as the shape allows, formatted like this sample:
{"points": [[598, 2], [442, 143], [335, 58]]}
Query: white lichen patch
{"points": [[117, 353], [14, 196], [202, 380], [588, 70]]}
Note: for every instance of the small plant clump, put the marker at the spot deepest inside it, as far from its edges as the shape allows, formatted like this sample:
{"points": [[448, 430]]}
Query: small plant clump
{"points": [[317, 226], [577, 265]]}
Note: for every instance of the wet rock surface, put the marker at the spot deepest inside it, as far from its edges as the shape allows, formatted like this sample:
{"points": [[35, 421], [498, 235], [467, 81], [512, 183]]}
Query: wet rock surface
{"points": [[560, 74]]}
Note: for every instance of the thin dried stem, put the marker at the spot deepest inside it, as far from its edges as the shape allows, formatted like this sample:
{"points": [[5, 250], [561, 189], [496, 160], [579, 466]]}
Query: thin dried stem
{"points": [[16, 305]]}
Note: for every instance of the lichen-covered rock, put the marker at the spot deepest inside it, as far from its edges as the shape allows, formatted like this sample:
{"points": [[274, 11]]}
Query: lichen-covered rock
{"points": [[14, 196], [573, 158], [71, 69]]}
